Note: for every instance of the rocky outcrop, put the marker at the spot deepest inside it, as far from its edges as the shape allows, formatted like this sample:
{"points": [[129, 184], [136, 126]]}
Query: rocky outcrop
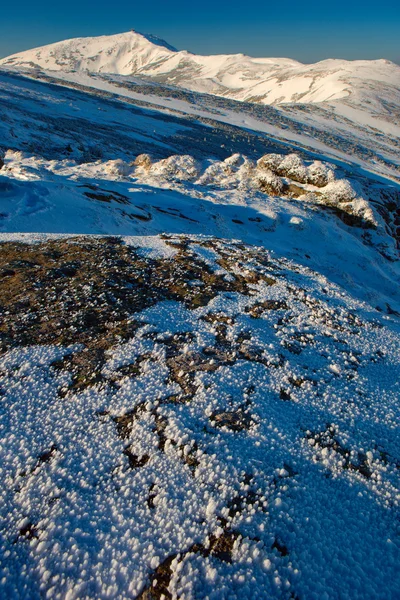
{"points": [[294, 168]]}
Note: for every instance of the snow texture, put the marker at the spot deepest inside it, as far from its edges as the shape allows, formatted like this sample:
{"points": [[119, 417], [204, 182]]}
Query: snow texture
{"points": [[276, 476]]}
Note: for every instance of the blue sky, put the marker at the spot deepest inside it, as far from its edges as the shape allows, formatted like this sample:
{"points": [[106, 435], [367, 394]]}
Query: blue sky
{"points": [[306, 31]]}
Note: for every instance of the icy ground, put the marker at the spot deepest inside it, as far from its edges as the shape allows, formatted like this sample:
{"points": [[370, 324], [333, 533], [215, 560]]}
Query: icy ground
{"points": [[193, 418]]}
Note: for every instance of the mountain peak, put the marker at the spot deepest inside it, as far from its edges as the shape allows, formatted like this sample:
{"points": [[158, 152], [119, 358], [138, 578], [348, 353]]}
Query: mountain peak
{"points": [[154, 39]]}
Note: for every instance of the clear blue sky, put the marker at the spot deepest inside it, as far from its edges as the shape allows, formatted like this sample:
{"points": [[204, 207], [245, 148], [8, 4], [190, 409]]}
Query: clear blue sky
{"points": [[306, 31]]}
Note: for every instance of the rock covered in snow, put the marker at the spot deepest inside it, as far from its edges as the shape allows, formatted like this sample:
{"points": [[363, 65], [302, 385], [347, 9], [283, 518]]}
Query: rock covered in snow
{"points": [[294, 168], [269, 183], [339, 192], [343, 195], [290, 166], [320, 174], [118, 168], [176, 168], [235, 171], [143, 162]]}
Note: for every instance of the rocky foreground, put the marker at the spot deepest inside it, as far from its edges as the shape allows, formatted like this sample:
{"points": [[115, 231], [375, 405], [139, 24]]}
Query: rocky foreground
{"points": [[186, 417]]}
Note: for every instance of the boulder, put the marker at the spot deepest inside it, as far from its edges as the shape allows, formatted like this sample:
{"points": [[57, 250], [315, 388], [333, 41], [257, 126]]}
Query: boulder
{"points": [[319, 174], [143, 161], [177, 168], [269, 183]]}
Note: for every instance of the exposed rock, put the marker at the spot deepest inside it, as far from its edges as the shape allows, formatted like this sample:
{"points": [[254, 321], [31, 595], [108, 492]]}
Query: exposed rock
{"points": [[269, 183], [135, 462], [143, 161], [236, 420], [220, 547], [257, 309]]}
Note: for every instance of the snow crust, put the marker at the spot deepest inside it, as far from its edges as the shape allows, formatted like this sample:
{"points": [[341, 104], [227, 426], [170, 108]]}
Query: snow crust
{"points": [[77, 521]]}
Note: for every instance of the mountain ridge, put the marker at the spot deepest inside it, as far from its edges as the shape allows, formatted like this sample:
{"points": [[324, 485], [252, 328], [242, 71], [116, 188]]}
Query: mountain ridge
{"points": [[237, 76]]}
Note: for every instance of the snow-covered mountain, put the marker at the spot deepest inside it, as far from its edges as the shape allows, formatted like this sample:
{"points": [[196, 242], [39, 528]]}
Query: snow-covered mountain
{"points": [[264, 80]]}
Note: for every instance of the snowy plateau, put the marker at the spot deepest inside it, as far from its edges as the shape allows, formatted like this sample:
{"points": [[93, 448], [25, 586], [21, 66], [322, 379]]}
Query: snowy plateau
{"points": [[199, 325]]}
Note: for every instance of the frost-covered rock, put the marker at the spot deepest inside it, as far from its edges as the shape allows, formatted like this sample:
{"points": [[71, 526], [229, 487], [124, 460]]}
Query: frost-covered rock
{"points": [[16, 155], [177, 168], [234, 163], [212, 175], [118, 168], [339, 191], [290, 166], [294, 168], [344, 196], [320, 174], [269, 183], [143, 162], [235, 171], [289, 176], [270, 162]]}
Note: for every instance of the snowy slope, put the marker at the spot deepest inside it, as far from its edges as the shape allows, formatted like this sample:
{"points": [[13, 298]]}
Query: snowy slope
{"points": [[265, 80], [79, 143], [122, 53], [231, 198], [368, 141]]}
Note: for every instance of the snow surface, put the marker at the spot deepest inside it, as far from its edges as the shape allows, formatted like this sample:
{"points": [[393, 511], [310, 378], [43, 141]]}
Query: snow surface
{"points": [[311, 521]]}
